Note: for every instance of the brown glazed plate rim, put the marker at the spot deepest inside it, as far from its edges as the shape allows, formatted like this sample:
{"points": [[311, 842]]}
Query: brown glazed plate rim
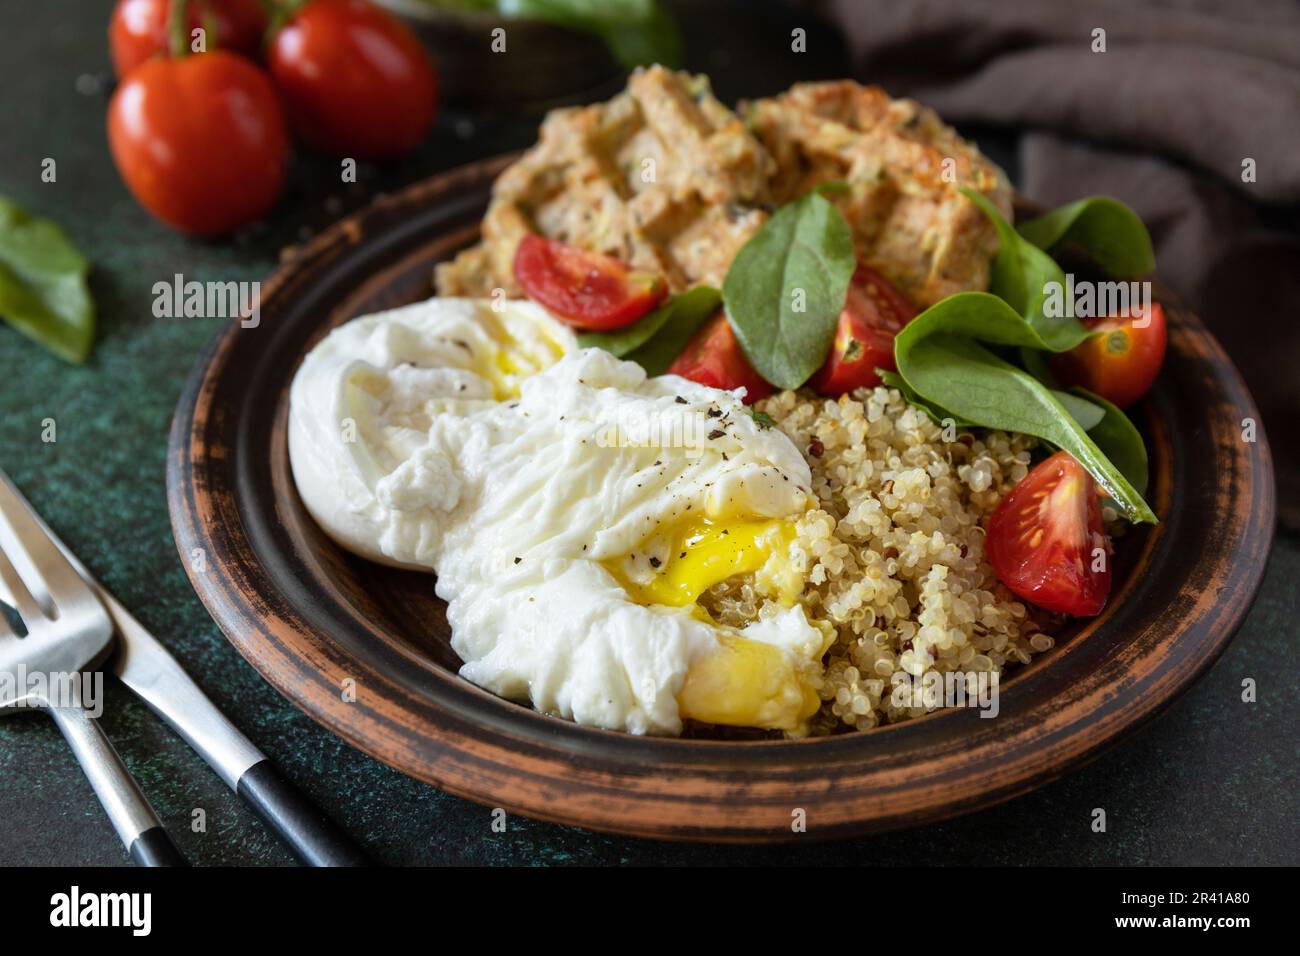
{"points": [[1187, 586]]}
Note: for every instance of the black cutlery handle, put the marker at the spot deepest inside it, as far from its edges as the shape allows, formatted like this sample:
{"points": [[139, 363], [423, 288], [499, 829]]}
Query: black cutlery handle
{"points": [[155, 848], [312, 836]]}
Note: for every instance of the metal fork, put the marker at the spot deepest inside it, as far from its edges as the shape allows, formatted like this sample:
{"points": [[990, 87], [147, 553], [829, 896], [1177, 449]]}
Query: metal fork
{"points": [[149, 671], [68, 633]]}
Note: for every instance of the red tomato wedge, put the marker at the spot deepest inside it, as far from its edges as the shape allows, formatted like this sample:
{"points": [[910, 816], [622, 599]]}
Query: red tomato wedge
{"points": [[585, 289], [1120, 365], [1046, 540], [874, 312], [713, 357]]}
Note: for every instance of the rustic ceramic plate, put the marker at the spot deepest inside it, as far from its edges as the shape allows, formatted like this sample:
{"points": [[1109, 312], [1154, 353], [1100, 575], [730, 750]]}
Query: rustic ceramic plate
{"points": [[317, 622]]}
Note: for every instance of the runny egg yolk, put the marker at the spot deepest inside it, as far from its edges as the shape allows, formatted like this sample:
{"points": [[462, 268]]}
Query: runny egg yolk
{"points": [[743, 683], [703, 553], [747, 684]]}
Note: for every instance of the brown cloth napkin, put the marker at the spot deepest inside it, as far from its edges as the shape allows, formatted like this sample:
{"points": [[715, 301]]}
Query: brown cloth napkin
{"points": [[1185, 92]]}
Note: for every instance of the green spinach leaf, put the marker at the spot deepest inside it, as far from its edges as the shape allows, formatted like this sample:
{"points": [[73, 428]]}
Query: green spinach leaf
{"points": [[938, 356], [938, 414], [1105, 228], [1035, 362], [1120, 440], [688, 312], [43, 291], [834, 187], [1021, 276], [980, 315], [786, 287], [692, 306], [1083, 411], [1086, 413]]}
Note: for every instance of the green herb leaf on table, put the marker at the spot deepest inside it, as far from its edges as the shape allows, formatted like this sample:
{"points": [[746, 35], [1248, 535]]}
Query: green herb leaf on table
{"points": [[691, 307], [786, 288], [43, 292], [1105, 228], [939, 357]]}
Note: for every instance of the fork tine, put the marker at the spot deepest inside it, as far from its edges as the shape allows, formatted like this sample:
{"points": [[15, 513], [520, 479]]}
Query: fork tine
{"points": [[24, 603], [58, 576]]}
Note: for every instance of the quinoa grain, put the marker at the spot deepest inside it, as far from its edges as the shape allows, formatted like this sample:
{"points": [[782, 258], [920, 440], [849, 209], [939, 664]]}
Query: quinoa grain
{"points": [[894, 552]]}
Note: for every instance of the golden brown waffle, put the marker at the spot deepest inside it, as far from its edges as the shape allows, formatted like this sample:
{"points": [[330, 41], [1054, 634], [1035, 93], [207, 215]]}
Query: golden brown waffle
{"points": [[667, 179]]}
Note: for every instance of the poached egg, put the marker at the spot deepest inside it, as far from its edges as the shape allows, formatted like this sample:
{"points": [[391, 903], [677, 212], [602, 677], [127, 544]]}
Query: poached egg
{"points": [[573, 509]]}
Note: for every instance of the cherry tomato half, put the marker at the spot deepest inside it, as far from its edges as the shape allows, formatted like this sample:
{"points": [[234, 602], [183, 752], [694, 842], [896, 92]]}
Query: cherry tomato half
{"points": [[874, 312], [355, 79], [1120, 365], [200, 141], [713, 357], [584, 289], [137, 30], [1044, 537]]}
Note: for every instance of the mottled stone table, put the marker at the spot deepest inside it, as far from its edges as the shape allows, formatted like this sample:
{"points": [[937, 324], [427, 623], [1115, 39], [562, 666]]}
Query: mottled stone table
{"points": [[1212, 781]]}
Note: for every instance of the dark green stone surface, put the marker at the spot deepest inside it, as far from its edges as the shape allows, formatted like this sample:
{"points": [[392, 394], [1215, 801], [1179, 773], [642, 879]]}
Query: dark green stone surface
{"points": [[1213, 781]]}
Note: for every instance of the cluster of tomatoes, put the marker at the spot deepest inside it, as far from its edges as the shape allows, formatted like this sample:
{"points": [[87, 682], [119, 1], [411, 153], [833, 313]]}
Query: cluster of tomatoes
{"points": [[208, 91], [1046, 540]]}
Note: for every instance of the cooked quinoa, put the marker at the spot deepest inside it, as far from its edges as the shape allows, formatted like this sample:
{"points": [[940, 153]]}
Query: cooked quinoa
{"points": [[894, 555]]}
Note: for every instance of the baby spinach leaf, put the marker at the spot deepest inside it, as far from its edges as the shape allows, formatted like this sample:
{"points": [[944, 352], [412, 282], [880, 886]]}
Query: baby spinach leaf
{"points": [[941, 359], [978, 315], [1035, 363], [786, 287], [1021, 276], [43, 292], [692, 305], [1083, 411], [1105, 228], [686, 313], [1120, 440], [938, 356], [939, 415]]}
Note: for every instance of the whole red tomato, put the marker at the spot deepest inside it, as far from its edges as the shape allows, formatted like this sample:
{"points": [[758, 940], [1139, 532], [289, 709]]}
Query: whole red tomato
{"points": [[137, 30], [1121, 364], [356, 81], [200, 141]]}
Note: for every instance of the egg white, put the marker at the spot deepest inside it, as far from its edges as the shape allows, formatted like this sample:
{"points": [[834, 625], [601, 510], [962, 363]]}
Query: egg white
{"points": [[540, 481]]}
